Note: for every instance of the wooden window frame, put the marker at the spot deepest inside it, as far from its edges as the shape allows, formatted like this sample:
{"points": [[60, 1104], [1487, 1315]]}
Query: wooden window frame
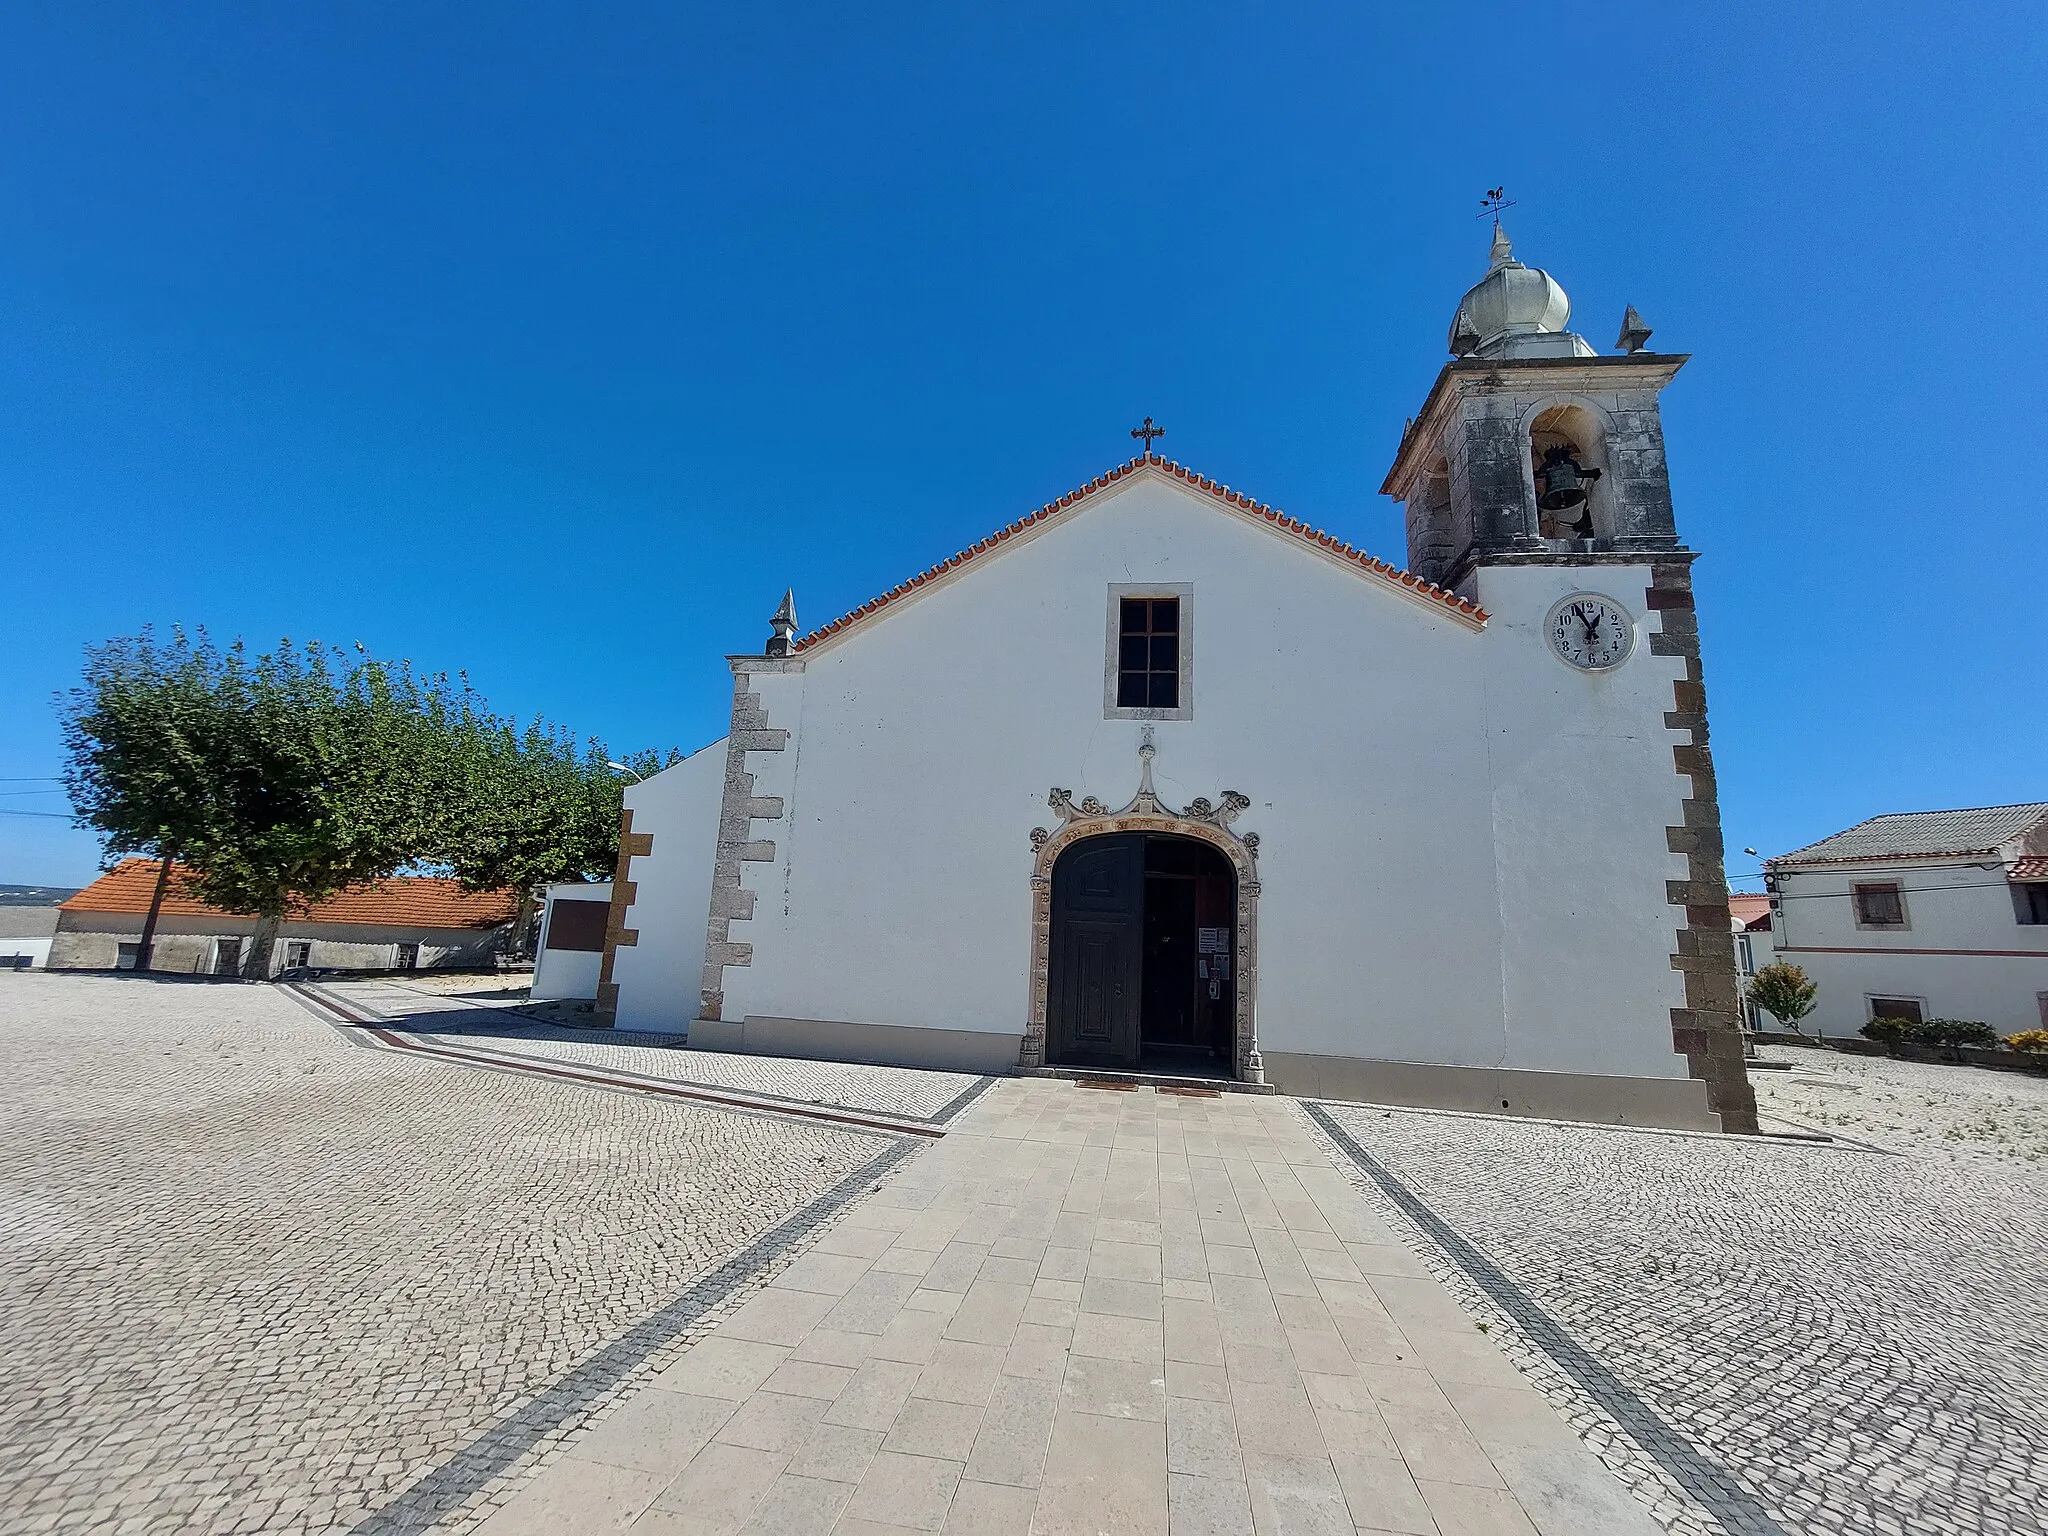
{"points": [[1898, 891], [1872, 999], [1183, 593]]}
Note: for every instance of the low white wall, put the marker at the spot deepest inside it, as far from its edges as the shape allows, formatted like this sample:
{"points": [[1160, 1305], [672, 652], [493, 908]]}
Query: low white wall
{"points": [[660, 977], [566, 974], [38, 951]]}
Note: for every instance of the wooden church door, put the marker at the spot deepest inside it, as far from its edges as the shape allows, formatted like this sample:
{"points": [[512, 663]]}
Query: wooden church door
{"points": [[1097, 953]]}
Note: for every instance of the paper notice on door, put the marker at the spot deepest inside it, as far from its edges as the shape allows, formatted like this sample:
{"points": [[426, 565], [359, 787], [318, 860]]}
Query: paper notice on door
{"points": [[1202, 968], [1212, 941], [1219, 967]]}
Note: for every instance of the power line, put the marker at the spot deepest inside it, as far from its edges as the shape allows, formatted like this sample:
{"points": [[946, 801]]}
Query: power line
{"points": [[52, 815]]}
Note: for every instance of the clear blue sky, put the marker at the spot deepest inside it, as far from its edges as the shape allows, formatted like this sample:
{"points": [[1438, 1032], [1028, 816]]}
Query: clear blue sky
{"points": [[553, 341]]}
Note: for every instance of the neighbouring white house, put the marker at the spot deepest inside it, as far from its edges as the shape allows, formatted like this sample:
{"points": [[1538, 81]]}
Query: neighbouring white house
{"points": [[1158, 778], [1921, 915], [402, 923], [570, 948], [1750, 918]]}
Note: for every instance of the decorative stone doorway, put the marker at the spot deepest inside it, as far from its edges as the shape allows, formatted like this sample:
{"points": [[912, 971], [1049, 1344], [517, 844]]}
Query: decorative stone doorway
{"points": [[1121, 859]]}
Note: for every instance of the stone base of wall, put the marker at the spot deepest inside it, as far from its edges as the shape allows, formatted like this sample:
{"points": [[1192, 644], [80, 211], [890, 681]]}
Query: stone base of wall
{"points": [[1666, 1103], [884, 1045]]}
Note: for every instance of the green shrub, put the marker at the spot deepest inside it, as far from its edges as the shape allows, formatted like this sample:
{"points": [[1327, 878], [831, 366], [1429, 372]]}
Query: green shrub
{"points": [[2030, 1040], [1890, 1033], [1954, 1033]]}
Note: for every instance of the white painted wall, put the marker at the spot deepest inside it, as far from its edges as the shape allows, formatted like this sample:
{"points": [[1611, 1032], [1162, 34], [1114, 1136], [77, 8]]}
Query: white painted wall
{"points": [[37, 950], [660, 977], [1584, 786], [566, 973], [1965, 954], [1417, 787]]}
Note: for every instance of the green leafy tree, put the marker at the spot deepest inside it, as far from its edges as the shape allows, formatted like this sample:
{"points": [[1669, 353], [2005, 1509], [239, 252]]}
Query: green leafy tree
{"points": [[527, 806], [1784, 992], [276, 780]]}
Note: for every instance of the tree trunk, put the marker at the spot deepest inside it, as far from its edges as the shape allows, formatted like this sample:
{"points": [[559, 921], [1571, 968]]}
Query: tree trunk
{"points": [[156, 902], [256, 964]]}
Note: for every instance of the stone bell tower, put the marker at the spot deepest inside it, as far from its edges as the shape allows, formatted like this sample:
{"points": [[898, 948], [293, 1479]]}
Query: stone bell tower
{"points": [[1533, 480], [1480, 469]]}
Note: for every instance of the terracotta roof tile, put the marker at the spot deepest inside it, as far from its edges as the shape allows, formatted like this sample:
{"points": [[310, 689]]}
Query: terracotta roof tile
{"points": [[1747, 908], [401, 901], [1292, 527], [2033, 867]]}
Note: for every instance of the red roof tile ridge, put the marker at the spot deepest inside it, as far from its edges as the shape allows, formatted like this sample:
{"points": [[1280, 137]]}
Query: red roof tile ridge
{"points": [[1372, 564], [397, 901]]}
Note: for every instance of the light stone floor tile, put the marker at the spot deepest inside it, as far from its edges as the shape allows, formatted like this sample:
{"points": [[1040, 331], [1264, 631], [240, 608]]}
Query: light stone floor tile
{"points": [[1203, 1506], [913, 1492], [583, 1494], [990, 1509], [656, 1430], [1296, 1496]]}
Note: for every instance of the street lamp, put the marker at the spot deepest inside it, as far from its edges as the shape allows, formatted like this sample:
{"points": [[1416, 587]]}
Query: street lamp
{"points": [[622, 768]]}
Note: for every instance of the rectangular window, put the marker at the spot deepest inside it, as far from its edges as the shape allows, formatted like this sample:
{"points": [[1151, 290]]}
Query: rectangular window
{"points": [[125, 955], [1907, 1008], [1148, 654], [298, 954], [408, 957], [227, 957], [1880, 906], [1147, 669], [2030, 902]]}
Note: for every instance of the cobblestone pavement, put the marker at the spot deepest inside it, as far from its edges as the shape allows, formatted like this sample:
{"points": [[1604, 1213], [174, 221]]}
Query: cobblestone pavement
{"points": [[933, 1097], [1955, 1114], [255, 1276], [1089, 1312], [1756, 1335]]}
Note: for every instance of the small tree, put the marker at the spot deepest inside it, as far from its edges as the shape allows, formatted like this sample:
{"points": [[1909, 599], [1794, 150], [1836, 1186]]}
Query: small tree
{"points": [[1889, 1033], [277, 780], [1784, 992]]}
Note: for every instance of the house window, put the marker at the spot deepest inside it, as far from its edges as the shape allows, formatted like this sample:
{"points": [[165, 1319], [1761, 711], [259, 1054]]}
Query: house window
{"points": [[298, 954], [1907, 1008], [408, 957], [1880, 906], [1148, 674], [1748, 960], [125, 955], [2030, 902], [227, 957]]}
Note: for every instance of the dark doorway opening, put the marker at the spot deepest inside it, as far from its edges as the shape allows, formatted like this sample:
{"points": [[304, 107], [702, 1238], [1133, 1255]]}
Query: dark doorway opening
{"points": [[1143, 960]]}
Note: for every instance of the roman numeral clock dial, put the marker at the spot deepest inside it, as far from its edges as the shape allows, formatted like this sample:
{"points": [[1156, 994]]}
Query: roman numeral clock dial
{"points": [[1590, 632]]}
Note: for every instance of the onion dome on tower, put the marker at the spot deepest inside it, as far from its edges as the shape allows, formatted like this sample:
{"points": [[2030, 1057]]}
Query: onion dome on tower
{"points": [[1514, 311]]}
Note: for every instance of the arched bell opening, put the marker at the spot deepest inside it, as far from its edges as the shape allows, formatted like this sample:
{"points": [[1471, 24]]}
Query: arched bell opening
{"points": [[1142, 964], [1568, 472]]}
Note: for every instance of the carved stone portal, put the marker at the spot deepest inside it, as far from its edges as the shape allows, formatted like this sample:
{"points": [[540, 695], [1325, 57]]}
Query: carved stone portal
{"points": [[1201, 821]]}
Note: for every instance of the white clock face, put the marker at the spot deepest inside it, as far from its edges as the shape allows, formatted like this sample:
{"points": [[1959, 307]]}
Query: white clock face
{"points": [[1590, 632]]}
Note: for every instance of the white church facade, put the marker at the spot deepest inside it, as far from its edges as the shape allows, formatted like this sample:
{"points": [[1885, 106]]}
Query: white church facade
{"points": [[1158, 779]]}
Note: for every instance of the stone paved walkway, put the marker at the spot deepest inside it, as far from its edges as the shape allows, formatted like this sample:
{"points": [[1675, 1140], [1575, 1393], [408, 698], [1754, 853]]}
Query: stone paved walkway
{"points": [[1092, 1311]]}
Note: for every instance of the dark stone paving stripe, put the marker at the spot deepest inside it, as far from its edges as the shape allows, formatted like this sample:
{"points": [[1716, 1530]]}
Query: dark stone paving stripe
{"points": [[488, 1457], [1712, 1486], [356, 1015]]}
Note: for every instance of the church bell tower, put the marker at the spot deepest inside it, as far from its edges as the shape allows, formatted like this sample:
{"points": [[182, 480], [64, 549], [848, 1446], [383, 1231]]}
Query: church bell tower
{"points": [[1533, 484], [1532, 447]]}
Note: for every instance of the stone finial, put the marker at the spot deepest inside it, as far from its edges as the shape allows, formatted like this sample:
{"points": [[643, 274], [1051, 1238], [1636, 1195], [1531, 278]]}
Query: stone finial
{"points": [[1633, 332], [782, 637], [1502, 253]]}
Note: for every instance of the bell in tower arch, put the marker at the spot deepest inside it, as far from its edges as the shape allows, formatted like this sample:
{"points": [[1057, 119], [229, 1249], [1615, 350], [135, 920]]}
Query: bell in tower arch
{"points": [[1561, 487]]}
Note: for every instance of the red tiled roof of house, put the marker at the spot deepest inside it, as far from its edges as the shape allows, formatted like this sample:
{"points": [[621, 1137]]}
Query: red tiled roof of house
{"points": [[1292, 527], [2032, 867], [1747, 908], [400, 901]]}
